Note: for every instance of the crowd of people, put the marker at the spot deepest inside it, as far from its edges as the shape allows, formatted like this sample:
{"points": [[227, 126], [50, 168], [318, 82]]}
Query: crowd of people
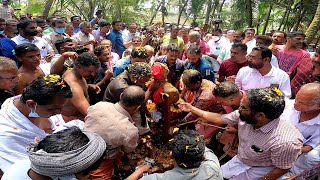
{"points": [[73, 98]]}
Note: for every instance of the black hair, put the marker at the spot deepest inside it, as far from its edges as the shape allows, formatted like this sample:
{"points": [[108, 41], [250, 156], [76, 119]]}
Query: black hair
{"points": [[295, 34], [104, 23], [63, 141], [43, 89], [217, 30], [132, 96], [139, 70], [115, 22], [68, 140], [48, 20], [174, 27], [25, 23], [270, 101], [98, 50], [188, 149], [58, 21], [226, 89], [40, 21], [72, 17], [250, 29], [194, 49], [193, 76], [87, 59], [139, 52], [60, 43], [2, 20], [284, 33], [241, 46], [265, 51], [267, 40], [173, 48], [24, 48]]}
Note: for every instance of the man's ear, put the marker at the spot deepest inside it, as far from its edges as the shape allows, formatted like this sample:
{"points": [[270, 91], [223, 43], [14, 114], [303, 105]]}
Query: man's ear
{"points": [[260, 115], [121, 95], [31, 104]]}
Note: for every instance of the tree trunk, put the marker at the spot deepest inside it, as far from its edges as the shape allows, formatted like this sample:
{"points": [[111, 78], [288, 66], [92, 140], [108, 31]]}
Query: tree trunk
{"points": [[155, 14], [249, 12], [181, 9], [282, 20], [314, 26], [163, 11], [299, 19], [47, 7], [221, 6], [267, 20], [215, 6], [209, 8]]}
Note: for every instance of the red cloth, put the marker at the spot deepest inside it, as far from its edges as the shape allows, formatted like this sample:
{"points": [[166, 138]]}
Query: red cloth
{"points": [[158, 71], [230, 68], [300, 75]]}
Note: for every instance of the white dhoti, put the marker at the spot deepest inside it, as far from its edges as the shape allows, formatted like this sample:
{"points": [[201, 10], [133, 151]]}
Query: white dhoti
{"points": [[237, 170]]}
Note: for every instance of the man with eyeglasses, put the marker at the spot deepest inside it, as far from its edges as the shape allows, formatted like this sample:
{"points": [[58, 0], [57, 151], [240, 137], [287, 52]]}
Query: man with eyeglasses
{"points": [[260, 73], [8, 78]]}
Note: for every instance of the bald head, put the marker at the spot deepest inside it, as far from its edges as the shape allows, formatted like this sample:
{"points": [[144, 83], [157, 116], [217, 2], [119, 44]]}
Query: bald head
{"points": [[132, 96], [194, 37], [311, 90]]}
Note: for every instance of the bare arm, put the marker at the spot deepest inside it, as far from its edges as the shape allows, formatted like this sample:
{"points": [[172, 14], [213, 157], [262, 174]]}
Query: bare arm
{"points": [[57, 67], [78, 99], [205, 115], [275, 174]]}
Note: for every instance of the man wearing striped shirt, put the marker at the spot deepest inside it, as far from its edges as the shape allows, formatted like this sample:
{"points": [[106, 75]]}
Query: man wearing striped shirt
{"points": [[268, 145]]}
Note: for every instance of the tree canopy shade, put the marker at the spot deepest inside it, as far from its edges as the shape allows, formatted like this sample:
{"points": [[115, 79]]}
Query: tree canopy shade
{"points": [[263, 15]]}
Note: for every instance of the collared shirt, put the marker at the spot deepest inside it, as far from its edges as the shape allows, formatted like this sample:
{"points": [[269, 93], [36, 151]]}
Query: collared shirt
{"points": [[301, 74], [309, 129], [128, 36], [80, 38], [217, 46], [203, 66], [115, 125], [99, 36], [47, 31], [41, 43], [53, 37], [175, 70], [6, 12], [116, 87], [250, 45], [76, 29], [121, 65], [277, 143], [117, 42], [209, 169], [250, 78]]}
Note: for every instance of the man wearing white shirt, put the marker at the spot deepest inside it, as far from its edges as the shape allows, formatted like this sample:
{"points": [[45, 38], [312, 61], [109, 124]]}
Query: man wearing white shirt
{"points": [[217, 43], [27, 34], [260, 73], [303, 113], [128, 35], [249, 39], [83, 37], [225, 53]]}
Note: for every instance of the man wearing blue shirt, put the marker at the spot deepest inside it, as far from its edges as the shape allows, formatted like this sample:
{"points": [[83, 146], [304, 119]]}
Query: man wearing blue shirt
{"points": [[115, 37], [197, 63], [138, 54]]}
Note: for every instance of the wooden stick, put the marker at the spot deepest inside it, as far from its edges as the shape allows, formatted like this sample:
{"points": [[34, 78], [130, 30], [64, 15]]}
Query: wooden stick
{"points": [[213, 125], [189, 122]]}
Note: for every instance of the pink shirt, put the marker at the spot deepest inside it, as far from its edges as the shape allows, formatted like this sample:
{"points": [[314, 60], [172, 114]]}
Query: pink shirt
{"points": [[277, 143], [289, 58]]}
